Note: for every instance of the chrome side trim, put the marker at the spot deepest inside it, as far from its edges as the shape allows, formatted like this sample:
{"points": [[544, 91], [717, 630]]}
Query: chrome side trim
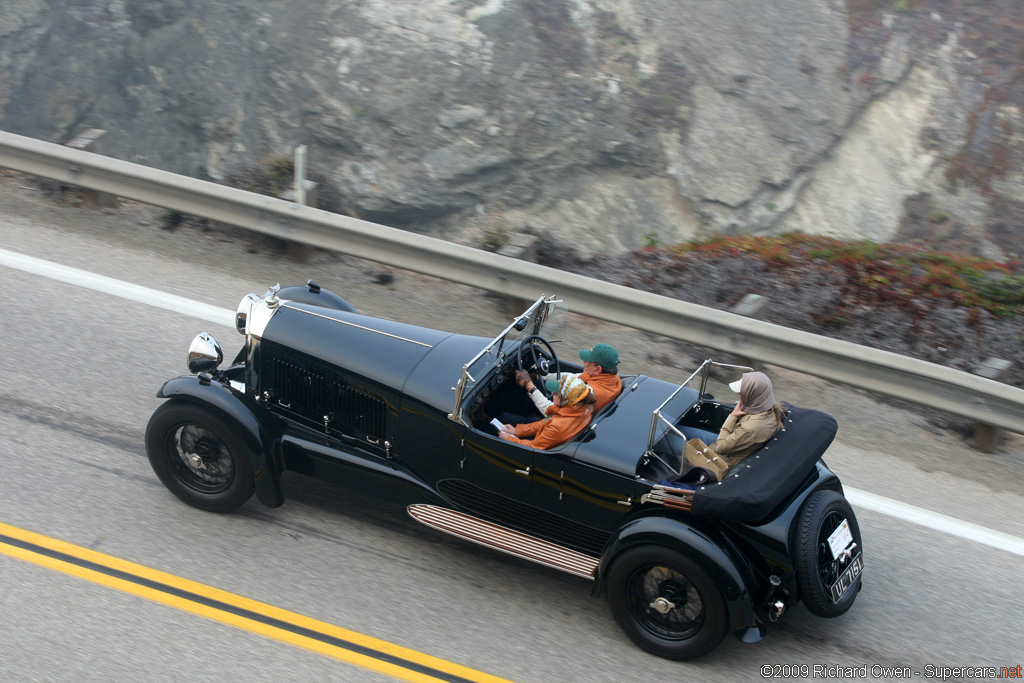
{"points": [[361, 327], [505, 540]]}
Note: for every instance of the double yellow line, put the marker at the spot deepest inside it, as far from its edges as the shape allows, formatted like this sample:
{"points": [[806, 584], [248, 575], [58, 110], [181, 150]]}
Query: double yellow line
{"points": [[234, 610]]}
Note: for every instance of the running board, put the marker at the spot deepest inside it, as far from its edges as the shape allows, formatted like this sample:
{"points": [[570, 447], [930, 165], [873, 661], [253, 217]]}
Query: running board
{"points": [[506, 540]]}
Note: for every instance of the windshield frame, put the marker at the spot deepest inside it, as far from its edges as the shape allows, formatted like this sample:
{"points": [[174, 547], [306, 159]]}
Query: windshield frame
{"points": [[494, 354]]}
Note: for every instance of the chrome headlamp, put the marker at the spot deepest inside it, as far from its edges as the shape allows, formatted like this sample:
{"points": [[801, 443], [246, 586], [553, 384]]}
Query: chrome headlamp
{"points": [[204, 354], [243, 311]]}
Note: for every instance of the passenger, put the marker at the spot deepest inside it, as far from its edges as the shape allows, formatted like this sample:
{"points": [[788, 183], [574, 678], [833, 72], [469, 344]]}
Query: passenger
{"points": [[600, 372], [750, 425], [568, 415]]}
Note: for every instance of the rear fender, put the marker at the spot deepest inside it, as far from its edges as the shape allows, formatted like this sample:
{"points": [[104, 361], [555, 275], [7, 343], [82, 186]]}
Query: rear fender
{"points": [[227, 404], [705, 546]]}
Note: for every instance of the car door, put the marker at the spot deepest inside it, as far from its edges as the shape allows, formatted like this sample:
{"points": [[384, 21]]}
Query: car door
{"points": [[596, 497], [496, 468]]}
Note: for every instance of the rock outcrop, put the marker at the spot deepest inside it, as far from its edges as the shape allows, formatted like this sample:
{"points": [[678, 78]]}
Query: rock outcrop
{"points": [[604, 124]]}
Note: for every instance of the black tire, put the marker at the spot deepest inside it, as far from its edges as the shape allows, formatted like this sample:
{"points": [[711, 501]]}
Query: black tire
{"points": [[692, 619], [816, 569], [199, 457]]}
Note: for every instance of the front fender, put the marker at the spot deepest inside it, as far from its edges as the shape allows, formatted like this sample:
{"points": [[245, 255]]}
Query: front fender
{"points": [[704, 545], [221, 400]]}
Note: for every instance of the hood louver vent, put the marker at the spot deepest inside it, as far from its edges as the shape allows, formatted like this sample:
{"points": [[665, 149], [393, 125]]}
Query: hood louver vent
{"points": [[319, 396]]}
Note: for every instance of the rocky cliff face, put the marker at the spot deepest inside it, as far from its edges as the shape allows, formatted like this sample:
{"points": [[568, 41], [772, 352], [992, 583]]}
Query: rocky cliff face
{"points": [[605, 124]]}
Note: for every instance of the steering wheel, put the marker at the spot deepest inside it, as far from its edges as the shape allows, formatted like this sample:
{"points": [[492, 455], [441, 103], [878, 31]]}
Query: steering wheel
{"points": [[542, 356]]}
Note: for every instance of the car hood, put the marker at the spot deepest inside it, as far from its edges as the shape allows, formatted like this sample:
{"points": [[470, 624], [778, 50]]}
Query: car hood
{"points": [[420, 362]]}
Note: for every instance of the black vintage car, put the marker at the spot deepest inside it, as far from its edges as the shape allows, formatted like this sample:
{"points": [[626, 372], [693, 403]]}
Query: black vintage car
{"points": [[322, 390]]}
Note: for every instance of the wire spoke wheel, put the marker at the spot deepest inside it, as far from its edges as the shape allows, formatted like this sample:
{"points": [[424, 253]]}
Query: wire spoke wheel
{"points": [[828, 567], [665, 602], [204, 462], [199, 456]]}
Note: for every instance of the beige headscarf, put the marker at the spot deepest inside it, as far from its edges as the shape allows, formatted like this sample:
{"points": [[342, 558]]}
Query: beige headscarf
{"points": [[755, 390]]}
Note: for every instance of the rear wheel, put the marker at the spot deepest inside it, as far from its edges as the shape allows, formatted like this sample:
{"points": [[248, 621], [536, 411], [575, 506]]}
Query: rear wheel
{"points": [[666, 603], [818, 571], [199, 457]]}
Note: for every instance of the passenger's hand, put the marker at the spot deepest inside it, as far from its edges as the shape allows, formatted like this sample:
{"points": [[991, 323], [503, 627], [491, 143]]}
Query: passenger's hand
{"points": [[505, 435], [508, 429], [738, 410]]}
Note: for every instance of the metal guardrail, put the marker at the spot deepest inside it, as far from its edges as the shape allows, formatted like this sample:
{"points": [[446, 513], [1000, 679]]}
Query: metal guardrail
{"points": [[886, 373]]}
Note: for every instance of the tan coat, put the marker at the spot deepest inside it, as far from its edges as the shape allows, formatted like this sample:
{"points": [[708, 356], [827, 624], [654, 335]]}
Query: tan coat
{"points": [[743, 435]]}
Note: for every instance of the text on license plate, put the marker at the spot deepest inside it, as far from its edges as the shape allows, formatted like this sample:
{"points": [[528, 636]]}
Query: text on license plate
{"points": [[847, 579]]}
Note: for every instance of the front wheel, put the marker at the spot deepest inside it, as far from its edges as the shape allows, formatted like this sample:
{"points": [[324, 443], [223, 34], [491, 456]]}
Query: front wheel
{"points": [[666, 603], [199, 457]]}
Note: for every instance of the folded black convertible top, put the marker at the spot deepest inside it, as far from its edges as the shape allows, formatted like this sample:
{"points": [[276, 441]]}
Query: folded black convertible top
{"points": [[755, 486]]}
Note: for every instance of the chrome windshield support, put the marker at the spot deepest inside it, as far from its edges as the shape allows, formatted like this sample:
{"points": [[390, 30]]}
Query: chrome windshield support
{"points": [[530, 323], [703, 371]]}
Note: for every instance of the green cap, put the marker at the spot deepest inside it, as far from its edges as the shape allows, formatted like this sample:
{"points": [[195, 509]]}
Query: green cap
{"points": [[602, 354]]}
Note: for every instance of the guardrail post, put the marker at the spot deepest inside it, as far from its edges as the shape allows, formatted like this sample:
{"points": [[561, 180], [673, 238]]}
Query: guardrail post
{"points": [[751, 306], [93, 140], [987, 437], [523, 247], [302, 192]]}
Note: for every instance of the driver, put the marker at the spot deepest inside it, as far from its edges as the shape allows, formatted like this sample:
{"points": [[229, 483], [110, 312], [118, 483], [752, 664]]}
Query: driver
{"points": [[569, 414], [600, 372]]}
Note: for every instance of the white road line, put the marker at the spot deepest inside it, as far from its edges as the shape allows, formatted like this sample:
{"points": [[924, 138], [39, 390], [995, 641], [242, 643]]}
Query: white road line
{"points": [[125, 290], [935, 520], [863, 499]]}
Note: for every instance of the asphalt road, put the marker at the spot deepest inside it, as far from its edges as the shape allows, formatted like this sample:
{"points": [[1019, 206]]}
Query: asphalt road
{"points": [[78, 375]]}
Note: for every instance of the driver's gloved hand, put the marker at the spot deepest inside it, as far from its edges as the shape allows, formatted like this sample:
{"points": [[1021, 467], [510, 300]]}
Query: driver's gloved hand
{"points": [[522, 377]]}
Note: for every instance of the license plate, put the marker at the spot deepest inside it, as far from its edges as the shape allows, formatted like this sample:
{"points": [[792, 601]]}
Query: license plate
{"points": [[840, 539], [847, 579]]}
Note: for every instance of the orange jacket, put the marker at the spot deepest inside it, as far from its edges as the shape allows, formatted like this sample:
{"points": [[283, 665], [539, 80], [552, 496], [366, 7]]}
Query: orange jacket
{"points": [[562, 423], [606, 387]]}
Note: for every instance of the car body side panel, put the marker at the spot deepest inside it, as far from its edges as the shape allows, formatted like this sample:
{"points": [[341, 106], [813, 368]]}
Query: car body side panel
{"points": [[429, 445], [354, 467]]}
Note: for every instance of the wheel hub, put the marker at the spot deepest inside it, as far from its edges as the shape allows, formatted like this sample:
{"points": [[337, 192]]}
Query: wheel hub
{"points": [[663, 606], [203, 457], [203, 453]]}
